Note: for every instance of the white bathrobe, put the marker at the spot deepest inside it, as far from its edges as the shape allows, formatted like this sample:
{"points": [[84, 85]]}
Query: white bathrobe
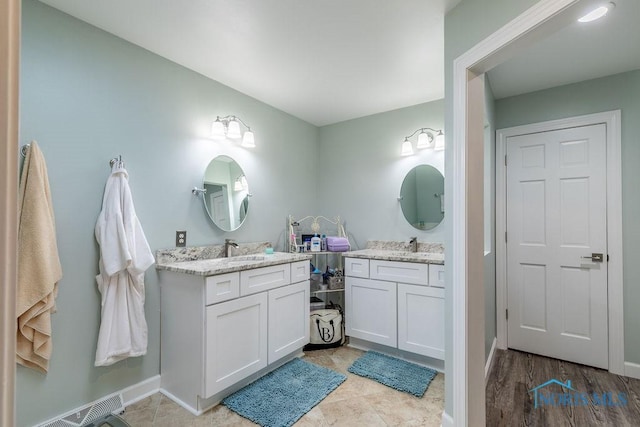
{"points": [[124, 257]]}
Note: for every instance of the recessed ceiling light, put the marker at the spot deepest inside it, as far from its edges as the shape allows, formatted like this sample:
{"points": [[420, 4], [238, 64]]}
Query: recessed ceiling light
{"points": [[597, 13]]}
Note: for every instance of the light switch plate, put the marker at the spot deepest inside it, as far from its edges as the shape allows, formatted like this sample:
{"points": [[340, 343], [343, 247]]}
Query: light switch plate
{"points": [[181, 239]]}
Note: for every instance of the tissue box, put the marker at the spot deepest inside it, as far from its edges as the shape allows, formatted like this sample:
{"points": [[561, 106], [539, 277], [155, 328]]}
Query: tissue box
{"points": [[337, 244]]}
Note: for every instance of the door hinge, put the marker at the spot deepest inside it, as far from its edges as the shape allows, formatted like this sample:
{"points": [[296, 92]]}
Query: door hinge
{"points": [[505, 237], [507, 314], [505, 160], [607, 257]]}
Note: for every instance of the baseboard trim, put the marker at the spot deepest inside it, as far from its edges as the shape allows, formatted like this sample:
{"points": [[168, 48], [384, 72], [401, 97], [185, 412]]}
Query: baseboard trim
{"points": [[127, 395], [489, 364], [181, 403], [447, 420], [632, 370], [143, 389]]}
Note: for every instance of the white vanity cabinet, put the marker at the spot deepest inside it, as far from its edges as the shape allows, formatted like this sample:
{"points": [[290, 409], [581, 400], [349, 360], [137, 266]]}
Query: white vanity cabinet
{"points": [[236, 341], [421, 320], [393, 303], [220, 332], [372, 310], [288, 319]]}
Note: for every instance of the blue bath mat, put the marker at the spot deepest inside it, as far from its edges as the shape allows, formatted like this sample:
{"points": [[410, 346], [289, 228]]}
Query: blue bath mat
{"points": [[283, 396], [395, 373]]}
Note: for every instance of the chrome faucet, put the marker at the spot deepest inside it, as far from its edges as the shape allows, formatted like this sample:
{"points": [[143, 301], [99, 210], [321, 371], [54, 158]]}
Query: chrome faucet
{"points": [[414, 244], [228, 243]]}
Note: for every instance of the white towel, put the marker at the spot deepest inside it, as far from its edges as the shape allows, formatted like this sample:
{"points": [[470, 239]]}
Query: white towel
{"points": [[39, 269], [124, 257]]}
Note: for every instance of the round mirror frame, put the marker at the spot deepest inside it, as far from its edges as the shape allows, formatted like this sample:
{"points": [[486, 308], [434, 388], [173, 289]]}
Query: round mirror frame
{"points": [[226, 200], [422, 197]]}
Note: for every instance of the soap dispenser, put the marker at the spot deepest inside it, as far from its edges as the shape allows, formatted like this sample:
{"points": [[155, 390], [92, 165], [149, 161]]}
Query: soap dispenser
{"points": [[315, 243]]}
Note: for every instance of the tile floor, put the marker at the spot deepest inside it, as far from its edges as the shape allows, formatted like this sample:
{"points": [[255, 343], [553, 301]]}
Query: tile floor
{"points": [[357, 402]]}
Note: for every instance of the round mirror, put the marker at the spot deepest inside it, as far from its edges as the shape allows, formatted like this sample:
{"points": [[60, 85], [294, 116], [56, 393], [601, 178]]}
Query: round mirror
{"points": [[227, 196], [422, 197]]}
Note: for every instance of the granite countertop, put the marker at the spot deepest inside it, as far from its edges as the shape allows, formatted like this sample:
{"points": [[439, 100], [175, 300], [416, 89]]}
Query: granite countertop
{"points": [[428, 253], [213, 266], [405, 256]]}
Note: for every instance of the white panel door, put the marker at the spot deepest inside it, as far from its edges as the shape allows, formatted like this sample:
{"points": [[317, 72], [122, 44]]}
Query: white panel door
{"points": [[288, 319], [556, 216], [421, 320], [236, 341], [371, 310]]}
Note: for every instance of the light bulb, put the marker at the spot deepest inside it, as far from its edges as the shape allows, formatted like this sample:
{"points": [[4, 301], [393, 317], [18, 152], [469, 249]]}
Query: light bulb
{"points": [[233, 129], [217, 130], [248, 139], [424, 140], [439, 145], [407, 149], [596, 13]]}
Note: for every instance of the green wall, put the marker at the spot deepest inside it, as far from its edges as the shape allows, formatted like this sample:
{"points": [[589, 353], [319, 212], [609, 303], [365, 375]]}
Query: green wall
{"points": [[470, 22], [620, 91], [87, 96]]}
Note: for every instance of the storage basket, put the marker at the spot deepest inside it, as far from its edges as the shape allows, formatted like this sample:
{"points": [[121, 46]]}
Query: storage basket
{"points": [[336, 283]]}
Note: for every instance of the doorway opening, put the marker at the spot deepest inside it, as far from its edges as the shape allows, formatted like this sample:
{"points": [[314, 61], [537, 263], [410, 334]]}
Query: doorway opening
{"points": [[586, 211]]}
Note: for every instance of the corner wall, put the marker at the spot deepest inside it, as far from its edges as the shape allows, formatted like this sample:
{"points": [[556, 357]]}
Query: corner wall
{"points": [[490, 221]]}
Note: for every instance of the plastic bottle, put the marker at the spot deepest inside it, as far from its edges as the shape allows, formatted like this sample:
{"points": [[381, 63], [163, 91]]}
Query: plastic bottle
{"points": [[323, 243], [316, 242]]}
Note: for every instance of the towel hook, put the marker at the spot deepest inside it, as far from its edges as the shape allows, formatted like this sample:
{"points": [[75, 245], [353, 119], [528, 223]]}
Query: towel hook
{"points": [[23, 150], [116, 161]]}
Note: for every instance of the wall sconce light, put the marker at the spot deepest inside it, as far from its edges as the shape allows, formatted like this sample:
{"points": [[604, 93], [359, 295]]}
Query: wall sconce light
{"points": [[241, 184], [426, 139], [229, 127]]}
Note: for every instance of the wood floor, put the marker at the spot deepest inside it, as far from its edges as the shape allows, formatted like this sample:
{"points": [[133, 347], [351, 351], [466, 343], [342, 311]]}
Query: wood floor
{"points": [[514, 374]]}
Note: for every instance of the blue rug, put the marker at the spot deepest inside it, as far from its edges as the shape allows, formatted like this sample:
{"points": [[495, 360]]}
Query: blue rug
{"points": [[281, 397], [395, 373]]}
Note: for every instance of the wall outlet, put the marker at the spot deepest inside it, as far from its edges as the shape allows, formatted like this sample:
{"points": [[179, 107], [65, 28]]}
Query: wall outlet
{"points": [[181, 239]]}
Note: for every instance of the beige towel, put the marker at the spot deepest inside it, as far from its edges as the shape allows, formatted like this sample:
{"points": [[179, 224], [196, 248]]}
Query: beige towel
{"points": [[39, 267]]}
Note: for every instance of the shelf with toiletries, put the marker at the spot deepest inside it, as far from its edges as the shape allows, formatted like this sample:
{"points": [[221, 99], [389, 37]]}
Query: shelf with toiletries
{"points": [[326, 241]]}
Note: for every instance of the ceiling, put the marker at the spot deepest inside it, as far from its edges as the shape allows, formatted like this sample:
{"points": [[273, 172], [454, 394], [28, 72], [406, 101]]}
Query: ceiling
{"points": [[581, 51], [333, 60], [322, 61]]}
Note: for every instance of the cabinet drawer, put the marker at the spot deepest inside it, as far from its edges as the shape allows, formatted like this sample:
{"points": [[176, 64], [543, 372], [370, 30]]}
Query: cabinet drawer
{"points": [[356, 267], [404, 272], [299, 271], [265, 278], [222, 287], [436, 275]]}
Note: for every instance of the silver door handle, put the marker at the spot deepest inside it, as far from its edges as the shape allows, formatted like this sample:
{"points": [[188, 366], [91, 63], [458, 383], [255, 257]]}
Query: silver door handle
{"points": [[594, 257]]}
